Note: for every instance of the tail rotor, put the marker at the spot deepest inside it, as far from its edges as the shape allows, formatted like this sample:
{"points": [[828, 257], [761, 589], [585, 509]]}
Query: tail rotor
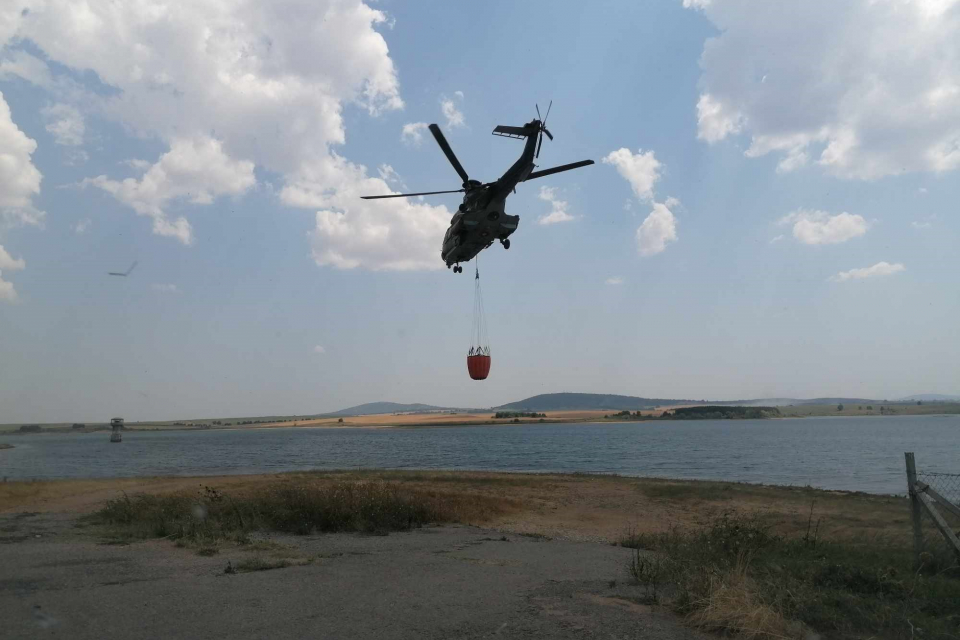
{"points": [[543, 127]]}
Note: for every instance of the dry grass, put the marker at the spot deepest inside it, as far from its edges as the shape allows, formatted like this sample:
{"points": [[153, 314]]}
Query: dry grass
{"points": [[735, 574], [731, 606], [586, 507], [302, 507]]}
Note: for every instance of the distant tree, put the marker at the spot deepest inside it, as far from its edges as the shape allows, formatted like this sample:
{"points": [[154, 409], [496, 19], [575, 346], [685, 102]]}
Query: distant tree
{"points": [[859, 408], [869, 407], [340, 420], [919, 402], [839, 407]]}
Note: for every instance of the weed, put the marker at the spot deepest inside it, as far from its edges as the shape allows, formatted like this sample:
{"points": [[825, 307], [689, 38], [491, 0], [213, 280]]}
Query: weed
{"points": [[210, 517], [259, 563], [733, 575]]}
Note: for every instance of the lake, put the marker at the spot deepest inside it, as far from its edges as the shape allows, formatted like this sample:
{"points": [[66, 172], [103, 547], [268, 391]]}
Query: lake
{"points": [[860, 454]]}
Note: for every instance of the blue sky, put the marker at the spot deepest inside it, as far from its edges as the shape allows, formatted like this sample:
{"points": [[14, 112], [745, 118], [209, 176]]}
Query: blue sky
{"points": [[776, 214]]}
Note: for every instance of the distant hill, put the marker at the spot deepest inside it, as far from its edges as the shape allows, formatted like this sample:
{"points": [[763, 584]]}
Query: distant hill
{"points": [[930, 397], [373, 408], [784, 402], [588, 401]]}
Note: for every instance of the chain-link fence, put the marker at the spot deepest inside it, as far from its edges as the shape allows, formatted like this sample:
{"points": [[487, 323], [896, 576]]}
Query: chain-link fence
{"points": [[938, 495]]}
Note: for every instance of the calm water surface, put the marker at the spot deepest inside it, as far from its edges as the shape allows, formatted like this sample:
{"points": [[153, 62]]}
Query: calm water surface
{"points": [[864, 454]]}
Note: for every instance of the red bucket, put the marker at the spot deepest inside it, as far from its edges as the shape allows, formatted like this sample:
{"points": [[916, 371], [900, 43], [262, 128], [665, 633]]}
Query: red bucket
{"points": [[478, 366]]}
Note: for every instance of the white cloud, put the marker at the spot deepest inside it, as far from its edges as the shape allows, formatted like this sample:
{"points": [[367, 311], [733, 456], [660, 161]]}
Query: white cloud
{"points": [[395, 234], [819, 227], [714, 121], [82, 226], [657, 230], [389, 175], [166, 288], [920, 225], [641, 170], [195, 170], [558, 208], [7, 292], [412, 133], [453, 115], [64, 123], [864, 88], [776, 239], [20, 64], [19, 178], [615, 280], [319, 349], [879, 269], [267, 81], [135, 163], [922, 190], [671, 202], [9, 263]]}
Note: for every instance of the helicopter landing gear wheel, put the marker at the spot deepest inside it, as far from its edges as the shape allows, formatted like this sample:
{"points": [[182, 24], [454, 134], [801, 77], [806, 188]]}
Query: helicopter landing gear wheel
{"points": [[506, 243], [458, 269]]}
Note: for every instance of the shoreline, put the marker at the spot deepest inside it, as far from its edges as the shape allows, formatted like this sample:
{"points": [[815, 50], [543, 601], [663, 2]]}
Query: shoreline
{"points": [[370, 423]]}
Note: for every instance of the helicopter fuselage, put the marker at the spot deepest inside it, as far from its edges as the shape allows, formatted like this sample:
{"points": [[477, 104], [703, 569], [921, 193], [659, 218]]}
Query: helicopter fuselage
{"points": [[482, 218]]}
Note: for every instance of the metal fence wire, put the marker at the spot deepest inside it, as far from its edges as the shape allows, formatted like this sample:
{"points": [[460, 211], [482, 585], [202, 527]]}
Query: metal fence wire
{"points": [[948, 486]]}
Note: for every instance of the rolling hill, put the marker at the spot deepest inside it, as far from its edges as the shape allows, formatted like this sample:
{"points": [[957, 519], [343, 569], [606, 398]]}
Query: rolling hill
{"points": [[374, 408], [588, 401]]}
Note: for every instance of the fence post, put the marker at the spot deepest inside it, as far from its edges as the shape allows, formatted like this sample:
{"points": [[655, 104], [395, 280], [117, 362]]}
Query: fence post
{"points": [[914, 508]]}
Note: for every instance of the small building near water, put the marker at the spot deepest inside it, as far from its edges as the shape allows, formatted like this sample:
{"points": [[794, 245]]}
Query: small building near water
{"points": [[116, 424]]}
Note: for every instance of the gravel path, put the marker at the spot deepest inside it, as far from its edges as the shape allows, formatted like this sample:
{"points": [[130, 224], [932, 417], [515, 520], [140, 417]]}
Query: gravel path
{"points": [[58, 580]]}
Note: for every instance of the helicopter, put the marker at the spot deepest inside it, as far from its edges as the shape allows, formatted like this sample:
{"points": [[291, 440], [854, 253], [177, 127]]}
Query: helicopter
{"points": [[481, 218]]}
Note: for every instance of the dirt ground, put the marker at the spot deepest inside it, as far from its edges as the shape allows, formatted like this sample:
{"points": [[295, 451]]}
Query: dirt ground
{"points": [[543, 567]]}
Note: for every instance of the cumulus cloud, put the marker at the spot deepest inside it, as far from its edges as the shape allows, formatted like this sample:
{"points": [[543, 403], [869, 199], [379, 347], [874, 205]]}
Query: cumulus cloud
{"points": [[19, 179], [864, 89], [319, 349], [166, 288], [641, 170], [714, 121], [615, 280], [268, 82], [776, 239], [450, 111], [412, 133], [82, 225], [879, 269], [395, 234], [8, 263], [819, 227], [658, 229], [64, 123], [195, 170], [558, 208]]}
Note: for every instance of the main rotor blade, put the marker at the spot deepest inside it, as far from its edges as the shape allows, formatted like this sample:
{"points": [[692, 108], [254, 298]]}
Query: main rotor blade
{"points": [[563, 167], [447, 151], [410, 195], [546, 131], [539, 144], [548, 114]]}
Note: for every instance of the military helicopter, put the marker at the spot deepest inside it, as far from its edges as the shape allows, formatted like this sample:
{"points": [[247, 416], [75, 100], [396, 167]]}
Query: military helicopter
{"points": [[481, 218]]}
